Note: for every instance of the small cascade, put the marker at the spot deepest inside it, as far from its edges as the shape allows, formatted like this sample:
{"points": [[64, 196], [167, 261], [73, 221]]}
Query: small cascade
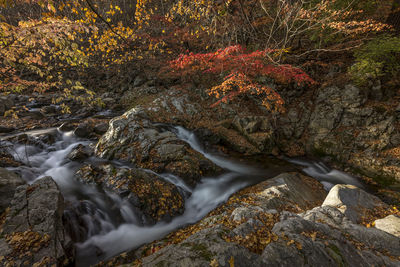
{"points": [[106, 224]]}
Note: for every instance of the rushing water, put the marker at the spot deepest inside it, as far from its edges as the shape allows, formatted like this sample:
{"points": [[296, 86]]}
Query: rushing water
{"points": [[106, 224]]}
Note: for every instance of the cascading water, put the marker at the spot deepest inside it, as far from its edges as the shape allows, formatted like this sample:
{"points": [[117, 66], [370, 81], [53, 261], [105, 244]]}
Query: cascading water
{"points": [[327, 176], [106, 224]]}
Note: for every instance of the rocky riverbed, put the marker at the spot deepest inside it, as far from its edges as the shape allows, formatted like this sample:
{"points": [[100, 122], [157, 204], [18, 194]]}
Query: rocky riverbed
{"points": [[241, 187]]}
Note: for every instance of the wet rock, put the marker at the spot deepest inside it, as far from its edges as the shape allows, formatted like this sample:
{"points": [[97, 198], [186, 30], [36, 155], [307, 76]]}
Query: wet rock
{"points": [[390, 224], [353, 202], [101, 128], [34, 115], [49, 110], [152, 198], [80, 153], [6, 159], [4, 129], [33, 232], [83, 130], [133, 137], [9, 181], [66, 127]]}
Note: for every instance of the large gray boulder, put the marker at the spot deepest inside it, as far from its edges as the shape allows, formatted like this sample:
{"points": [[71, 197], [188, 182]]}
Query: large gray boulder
{"points": [[33, 233], [133, 137], [9, 181], [352, 201]]}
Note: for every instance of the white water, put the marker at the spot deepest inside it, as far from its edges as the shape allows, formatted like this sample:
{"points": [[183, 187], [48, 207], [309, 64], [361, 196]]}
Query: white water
{"points": [[328, 177], [98, 210]]}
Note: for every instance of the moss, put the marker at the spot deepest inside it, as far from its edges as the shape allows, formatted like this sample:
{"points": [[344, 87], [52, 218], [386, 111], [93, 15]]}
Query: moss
{"points": [[335, 253], [139, 100], [202, 250], [161, 264], [382, 180]]}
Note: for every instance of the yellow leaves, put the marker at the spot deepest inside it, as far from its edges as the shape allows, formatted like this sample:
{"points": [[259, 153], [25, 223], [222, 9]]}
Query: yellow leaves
{"points": [[232, 262], [313, 236], [214, 263]]}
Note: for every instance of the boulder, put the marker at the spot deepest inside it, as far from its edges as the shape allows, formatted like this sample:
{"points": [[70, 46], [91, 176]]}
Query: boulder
{"points": [[33, 233], [134, 138], [101, 128], [205, 248], [66, 127], [352, 201], [9, 181], [80, 153], [389, 224], [83, 130], [152, 198], [293, 190]]}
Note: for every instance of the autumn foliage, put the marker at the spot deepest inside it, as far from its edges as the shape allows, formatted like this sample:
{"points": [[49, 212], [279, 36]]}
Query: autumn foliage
{"points": [[239, 69], [70, 45]]}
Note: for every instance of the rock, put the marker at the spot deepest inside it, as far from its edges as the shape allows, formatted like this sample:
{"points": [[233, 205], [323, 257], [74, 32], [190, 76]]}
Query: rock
{"points": [[353, 202], [290, 189], [49, 110], [6, 103], [133, 137], [390, 224], [33, 232], [257, 129], [202, 249], [101, 128], [139, 80], [9, 181], [80, 153], [253, 235], [310, 245], [83, 130], [6, 159], [4, 129], [354, 134], [152, 198], [34, 115], [66, 127], [108, 101]]}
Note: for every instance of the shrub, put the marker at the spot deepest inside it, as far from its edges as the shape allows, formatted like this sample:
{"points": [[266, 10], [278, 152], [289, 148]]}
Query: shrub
{"points": [[378, 58], [234, 71]]}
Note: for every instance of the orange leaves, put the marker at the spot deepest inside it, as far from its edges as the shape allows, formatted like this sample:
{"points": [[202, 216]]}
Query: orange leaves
{"points": [[240, 69], [238, 84]]}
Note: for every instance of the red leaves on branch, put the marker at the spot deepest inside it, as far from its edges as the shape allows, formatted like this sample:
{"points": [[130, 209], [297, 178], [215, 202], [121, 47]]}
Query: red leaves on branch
{"points": [[239, 69]]}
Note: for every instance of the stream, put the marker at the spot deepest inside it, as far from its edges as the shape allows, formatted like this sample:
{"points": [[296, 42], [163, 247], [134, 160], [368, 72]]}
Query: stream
{"points": [[104, 236]]}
